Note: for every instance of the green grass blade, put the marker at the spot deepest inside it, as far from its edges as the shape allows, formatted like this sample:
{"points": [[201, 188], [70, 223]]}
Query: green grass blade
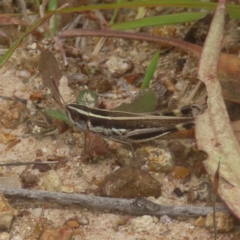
{"points": [[150, 70], [137, 4], [233, 10], [10, 51], [159, 21], [115, 12], [53, 5]]}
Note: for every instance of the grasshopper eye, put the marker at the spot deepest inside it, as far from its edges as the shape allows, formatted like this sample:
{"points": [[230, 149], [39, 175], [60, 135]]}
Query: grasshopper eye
{"points": [[75, 118]]}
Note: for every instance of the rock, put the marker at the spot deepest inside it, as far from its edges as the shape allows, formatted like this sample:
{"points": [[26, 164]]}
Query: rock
{"points": [[102, 86], [7, 213], [29, 179], [178, 150], [61, 233], [13, 114], [41, 167], [204, 191], [165, 219], [224, 222], [115, 66], [23, 74], [158, 159], [73, 224], [82, 220], [200, 222], [130, 182], [125, 157], [4, 236], [178, 192], [52, 181], [201, 192], [198, 167], [144, 223], [180, 172], [6, 137]]}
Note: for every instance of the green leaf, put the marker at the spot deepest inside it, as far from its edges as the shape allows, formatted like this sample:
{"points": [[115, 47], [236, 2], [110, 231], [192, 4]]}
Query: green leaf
{"points": [[150, 70], [87, 98], [169, 19], [146, 102], [57, 114]]}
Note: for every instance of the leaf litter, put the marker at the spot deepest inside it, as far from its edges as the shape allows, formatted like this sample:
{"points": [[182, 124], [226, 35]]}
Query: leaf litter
{"points": [[214, 134], [87, 168]]}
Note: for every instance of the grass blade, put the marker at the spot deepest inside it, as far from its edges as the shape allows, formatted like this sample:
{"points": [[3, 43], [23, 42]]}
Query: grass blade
{"points": [[150, 70], [170, 19]]}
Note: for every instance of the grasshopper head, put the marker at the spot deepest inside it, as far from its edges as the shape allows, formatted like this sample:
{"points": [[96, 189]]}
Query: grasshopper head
{"points": [[76, 117]]}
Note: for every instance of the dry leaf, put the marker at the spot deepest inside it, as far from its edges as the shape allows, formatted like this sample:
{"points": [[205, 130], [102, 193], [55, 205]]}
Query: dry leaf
{"points": [[50, 73], [213, 131]]}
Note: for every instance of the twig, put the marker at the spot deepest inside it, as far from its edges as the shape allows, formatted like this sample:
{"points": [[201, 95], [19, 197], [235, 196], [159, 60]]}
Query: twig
{"points": [[24, 163], [14, 99], [133, 36], [138, 206]]}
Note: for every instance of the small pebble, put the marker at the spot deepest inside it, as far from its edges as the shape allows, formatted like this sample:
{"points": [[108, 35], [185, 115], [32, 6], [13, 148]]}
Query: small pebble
{"points": [[4, 236], [61, 233], [73, 224], [115, 66], [204, 192], [52, 181], [144, 223], [200, 222], [178, 150], [178, 192], [224, 222], [165, 219], [23, 74], [33, 46], [7, 213], [201, 192], [158, 159], [82, 220], [180, 172], [29, 179]]}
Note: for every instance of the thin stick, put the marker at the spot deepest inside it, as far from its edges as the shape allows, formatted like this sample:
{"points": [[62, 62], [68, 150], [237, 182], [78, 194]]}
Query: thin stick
{"points": [[133, 36], [14, 99], [138, 206], [24, 163]]}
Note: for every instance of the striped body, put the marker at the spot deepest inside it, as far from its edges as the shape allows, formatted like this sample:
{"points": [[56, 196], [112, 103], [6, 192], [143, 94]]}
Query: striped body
{"points": [[124, 126]]}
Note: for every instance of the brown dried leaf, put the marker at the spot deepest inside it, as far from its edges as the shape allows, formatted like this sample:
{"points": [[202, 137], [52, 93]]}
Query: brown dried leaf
{"points": [[8, 20], [236, 128], [213, 131], [214, 197], [215, 184], [51, 74]]}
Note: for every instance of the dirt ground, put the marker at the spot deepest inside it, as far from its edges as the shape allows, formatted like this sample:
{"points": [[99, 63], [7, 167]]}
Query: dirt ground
{"points": [[24, 138]]}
